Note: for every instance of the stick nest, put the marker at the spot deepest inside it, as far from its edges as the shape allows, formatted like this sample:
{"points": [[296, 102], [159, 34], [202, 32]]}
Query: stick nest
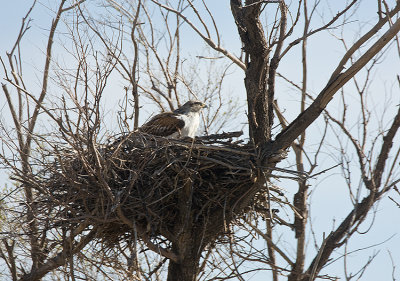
{"points": [[145, 182]]}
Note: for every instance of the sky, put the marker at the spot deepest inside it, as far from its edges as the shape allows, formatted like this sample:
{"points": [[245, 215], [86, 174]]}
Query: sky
{"points": [[329, 196]]}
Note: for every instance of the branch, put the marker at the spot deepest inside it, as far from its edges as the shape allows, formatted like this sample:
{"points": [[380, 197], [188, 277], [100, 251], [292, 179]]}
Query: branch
{"points": [[356, 46], [306, 118], [326, 26], [208, 40], [43, 93], [36, 251], [11, 258], [384, 153], [357, 215], [62, 257], [145, 238], [73, 6], [17, 123], [334, 239], [273, 245]]}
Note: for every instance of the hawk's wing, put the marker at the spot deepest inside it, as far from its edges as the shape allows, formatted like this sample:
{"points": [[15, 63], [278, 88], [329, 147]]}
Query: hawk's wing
{"points": [[164, 124]]}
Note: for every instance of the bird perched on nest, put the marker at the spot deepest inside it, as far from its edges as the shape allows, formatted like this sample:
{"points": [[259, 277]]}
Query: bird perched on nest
{"points": [[180, 123]]}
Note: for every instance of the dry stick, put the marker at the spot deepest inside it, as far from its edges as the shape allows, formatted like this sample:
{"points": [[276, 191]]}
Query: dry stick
{"points": [[271, 246], [321, 249], [356, 46], [300, 198], [17, 119], [270, 93], [131, 74], [312, 32], [11, 258], [306, 118], [142, 234], [207, 39], [384, 153], [357, 215], [288, 135], [43, 93], [17, 124], [134, 67], [61, 257], [73, 6], [17, 74], [267, 238], [274, 63], [390, 173], [394, 201], [44, 108], [26, 149]]}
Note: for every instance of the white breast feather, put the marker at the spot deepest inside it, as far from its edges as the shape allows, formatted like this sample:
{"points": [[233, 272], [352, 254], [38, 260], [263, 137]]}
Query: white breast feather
{"points": [[192, 122]]}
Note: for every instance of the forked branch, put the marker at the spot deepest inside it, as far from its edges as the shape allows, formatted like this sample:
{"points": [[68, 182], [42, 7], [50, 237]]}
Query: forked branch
{"points": [[306, 118]]}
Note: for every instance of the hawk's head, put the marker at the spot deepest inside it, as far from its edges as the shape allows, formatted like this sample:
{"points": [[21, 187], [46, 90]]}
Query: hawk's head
{"points": [[190, 106]]}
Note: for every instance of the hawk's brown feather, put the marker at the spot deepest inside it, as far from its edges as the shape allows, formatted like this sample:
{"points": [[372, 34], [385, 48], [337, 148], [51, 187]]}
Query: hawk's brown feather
{"points": [[163, 124]]}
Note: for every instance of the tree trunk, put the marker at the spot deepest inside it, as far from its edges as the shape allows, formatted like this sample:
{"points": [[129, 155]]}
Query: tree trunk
{"points": [[186, 270], [257, 66], [188, 244]]}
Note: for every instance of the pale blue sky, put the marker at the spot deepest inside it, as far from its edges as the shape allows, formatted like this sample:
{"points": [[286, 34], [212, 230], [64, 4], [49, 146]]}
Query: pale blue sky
{"points": [[329, 198]]}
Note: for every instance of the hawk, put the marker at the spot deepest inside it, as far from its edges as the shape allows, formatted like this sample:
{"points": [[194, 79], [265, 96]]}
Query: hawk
{"points": [[180, 123]]}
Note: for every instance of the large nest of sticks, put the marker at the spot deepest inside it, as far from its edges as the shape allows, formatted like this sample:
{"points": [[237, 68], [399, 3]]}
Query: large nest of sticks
{"points": [[144, 180]]}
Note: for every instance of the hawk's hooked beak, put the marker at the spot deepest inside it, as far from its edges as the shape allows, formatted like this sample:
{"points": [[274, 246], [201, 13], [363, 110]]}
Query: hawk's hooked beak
{"points": [[203, 105]]}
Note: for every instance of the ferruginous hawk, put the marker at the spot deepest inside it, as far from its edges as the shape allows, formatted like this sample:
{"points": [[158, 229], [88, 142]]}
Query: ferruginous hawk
{"points": [[180, 123]]}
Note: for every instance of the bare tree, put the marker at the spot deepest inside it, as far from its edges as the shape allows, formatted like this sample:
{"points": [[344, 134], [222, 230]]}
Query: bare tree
{"points": [[93, 201]]}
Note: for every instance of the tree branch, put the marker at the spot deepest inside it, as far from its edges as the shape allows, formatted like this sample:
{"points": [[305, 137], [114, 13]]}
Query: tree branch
{"points": [[62, 257], [306, 118], [207, 39]]}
